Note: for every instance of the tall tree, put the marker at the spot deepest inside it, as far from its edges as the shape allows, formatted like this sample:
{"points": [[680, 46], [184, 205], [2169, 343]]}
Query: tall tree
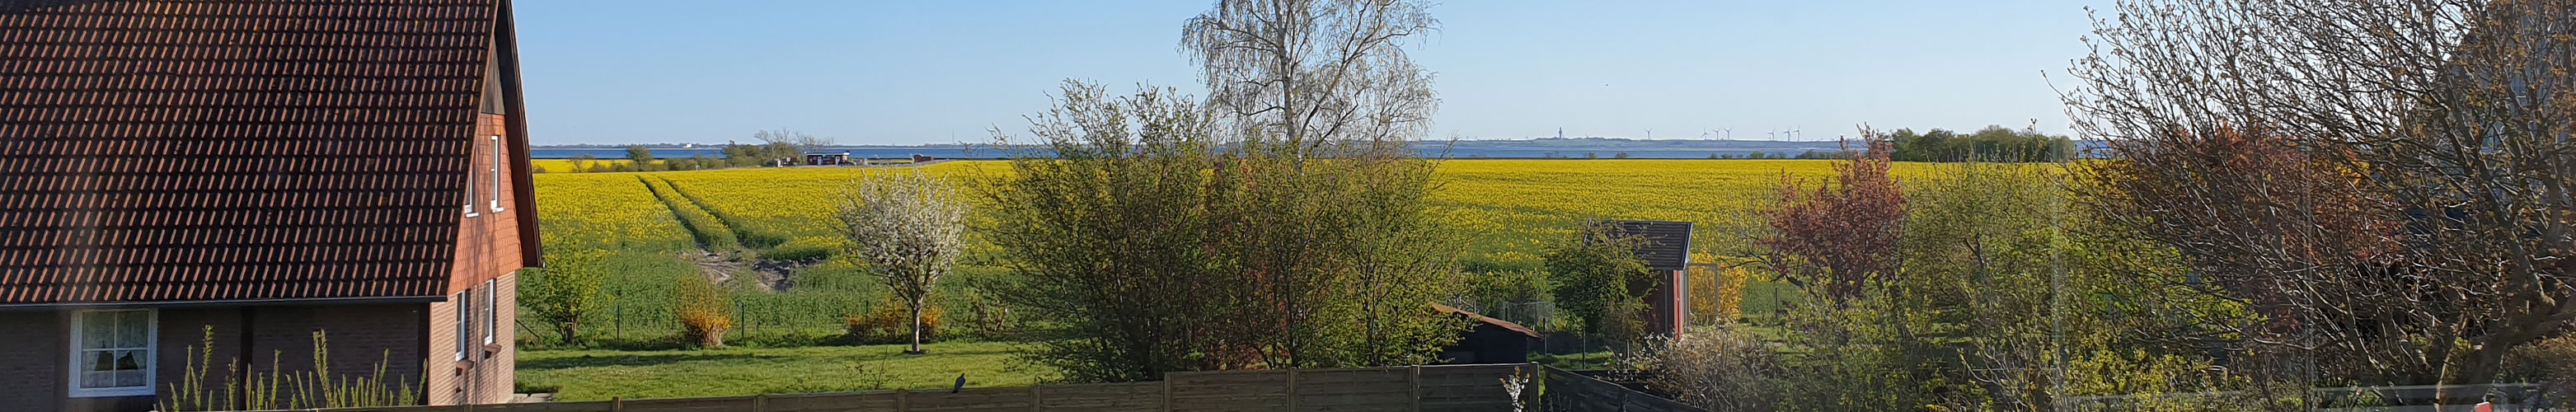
{"points": [[909, 227], [2385, 183], [1322, 107], [1312, 73], [1835, 238], [1109, 231], [643, 156]]}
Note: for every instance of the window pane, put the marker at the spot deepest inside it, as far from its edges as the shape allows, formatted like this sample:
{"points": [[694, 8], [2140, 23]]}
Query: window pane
{"points": [[129, 360], [133, 328], [129, 379], [97, 361], [98, 330], [98, 379]]}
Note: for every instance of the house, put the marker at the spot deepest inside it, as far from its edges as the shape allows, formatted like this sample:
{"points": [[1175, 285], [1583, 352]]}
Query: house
{"points": [[1488, 340], [1665, 248], [827, 159], [251, 173]]}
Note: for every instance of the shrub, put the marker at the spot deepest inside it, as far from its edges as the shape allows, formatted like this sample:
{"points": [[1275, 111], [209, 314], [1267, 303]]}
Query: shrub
{"points": [[1720, 369], [704, 310], [889, 323]]}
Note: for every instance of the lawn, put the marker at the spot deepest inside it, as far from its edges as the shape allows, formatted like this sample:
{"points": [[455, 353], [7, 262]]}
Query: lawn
{"points": [[603, 374]]}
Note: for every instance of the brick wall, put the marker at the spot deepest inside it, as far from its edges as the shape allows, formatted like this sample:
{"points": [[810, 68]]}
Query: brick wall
{"points": [[34, 372], [32, 367], [486, 374], [487, 245]]}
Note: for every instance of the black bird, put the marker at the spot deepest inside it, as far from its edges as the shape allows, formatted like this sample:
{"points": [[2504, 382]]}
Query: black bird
{"points": [[961, 384]]}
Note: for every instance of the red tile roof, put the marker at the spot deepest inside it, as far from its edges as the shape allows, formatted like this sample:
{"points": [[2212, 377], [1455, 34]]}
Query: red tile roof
{"points": [[181, 150]]}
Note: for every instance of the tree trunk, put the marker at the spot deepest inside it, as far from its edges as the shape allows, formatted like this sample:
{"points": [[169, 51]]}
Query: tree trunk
{"points": [[916, 328], [570, 330]]}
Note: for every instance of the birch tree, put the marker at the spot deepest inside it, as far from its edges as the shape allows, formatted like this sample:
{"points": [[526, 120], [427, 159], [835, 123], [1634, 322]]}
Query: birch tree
{"points": [[908, 227]]}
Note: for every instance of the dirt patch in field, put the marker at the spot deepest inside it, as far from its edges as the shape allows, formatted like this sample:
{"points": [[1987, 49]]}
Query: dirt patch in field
{"points": [[770, 275]]}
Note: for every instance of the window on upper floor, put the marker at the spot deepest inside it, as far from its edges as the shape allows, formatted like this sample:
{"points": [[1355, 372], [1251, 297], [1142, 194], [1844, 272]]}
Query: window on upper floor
{"points": [[495, 170], [470, 211], [112, 352]]}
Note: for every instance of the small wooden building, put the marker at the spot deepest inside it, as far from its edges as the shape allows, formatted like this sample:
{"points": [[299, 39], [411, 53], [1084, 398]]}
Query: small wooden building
{"points": [[1490, 341], [1665, 248]]}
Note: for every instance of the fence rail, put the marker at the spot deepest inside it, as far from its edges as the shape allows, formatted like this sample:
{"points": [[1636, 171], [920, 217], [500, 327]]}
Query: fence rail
{"points": [[1418, 388]]}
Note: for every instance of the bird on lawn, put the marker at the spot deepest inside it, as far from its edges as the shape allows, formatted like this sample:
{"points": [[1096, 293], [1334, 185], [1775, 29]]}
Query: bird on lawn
{"points": [[961, 384]]}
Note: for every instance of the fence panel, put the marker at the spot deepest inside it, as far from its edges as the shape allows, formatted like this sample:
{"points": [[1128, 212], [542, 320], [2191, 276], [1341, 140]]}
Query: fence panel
{"points": [[1571, 392], [1423, 388], [1102, 397], [1263, 390], [831, 402], [542, 407], [1372, 389], [1472, 387]]}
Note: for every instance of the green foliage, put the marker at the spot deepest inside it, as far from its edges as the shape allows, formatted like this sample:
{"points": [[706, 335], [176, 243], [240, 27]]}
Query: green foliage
{"points": [[1991, 144], [598, 375], [565, 291], [1144, 247], [1599, 280], [1503, 294], [639, 154]]}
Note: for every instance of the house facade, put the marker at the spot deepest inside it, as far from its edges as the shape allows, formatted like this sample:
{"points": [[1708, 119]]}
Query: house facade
{"points": [[238, 182]]}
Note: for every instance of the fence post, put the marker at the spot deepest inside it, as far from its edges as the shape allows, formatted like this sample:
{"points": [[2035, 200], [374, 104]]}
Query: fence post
{"points": [[1167, 392], [903, 399], [760, 403], [1415, 378], [617, 404], [1037, 398], [1292, 389]]}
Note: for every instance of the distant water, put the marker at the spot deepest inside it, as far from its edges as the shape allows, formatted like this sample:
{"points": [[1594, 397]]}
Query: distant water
{"points": [[987, 153]]}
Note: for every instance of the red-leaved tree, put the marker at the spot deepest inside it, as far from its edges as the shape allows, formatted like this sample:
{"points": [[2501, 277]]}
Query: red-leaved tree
{"points": [[1836, 238]]}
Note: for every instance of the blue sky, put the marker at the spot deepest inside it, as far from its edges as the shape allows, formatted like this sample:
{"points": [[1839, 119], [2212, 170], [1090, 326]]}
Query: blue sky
{"points": [[871, 72]]}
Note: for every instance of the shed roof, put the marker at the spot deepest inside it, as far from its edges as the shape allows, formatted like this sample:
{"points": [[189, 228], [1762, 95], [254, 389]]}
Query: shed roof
{"points": [[1663, 245], [168, 150]]}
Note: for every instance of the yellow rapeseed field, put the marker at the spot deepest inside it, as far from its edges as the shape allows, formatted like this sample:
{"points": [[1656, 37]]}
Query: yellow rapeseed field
{"points": [[1508, 209]]}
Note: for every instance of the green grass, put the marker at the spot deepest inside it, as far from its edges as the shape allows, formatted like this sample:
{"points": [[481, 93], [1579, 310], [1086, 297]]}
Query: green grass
{"points": [[582, 375]]}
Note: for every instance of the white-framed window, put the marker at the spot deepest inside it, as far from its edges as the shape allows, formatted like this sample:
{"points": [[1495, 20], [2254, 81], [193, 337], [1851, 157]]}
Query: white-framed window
{"points": [[469, 182], [464, 322], [491, 316], [112, 352], [496, 173]]}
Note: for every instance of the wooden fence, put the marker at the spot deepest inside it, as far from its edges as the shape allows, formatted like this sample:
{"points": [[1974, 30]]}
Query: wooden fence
{"points": [[1419, 388], [1573, 392]]}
